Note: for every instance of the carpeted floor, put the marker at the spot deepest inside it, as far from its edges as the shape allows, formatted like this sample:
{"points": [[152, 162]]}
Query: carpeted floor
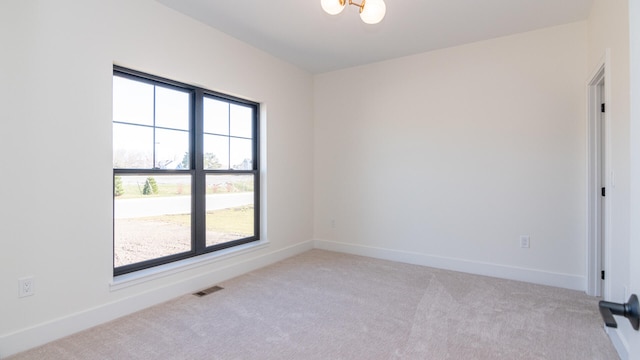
{"points": [[325, 305]]}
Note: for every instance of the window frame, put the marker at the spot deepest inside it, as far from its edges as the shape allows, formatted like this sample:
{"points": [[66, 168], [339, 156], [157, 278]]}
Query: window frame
{"points": [[196, 170]]}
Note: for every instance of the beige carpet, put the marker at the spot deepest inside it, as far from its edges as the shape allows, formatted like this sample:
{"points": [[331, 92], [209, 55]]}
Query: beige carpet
{"points": [[325, 305]]}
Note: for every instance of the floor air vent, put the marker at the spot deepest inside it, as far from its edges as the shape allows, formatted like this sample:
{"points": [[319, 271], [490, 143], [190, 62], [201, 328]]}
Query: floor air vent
{"points": [[208, 291]]}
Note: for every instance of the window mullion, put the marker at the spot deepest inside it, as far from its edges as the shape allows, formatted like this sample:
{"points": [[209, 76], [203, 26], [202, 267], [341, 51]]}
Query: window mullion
{"points": [[199, 178], [154, 129], [229, 135]]}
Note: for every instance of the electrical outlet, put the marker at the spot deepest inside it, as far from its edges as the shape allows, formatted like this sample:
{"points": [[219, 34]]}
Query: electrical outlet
{"points": [[525, 241], [26, 286], [333, 224]]}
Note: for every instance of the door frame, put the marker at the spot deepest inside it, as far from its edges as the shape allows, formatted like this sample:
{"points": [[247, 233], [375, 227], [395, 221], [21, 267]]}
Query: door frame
{"points": [[598, 152]]}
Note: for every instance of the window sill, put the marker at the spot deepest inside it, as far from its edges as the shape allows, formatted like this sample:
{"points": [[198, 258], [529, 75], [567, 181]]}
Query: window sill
{"points": [[157, 272]]}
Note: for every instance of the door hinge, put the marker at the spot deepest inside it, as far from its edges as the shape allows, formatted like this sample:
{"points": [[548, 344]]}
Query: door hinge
{"points": [[602, 107], [602, 275], [603, 192]]}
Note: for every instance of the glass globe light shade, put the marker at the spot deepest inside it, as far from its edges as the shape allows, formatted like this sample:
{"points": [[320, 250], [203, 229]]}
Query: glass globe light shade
{"points": [[332, 7], [373, 11]]}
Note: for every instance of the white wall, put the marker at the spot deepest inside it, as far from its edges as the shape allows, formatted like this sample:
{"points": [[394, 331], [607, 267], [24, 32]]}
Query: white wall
{"points": [[445, 158], [633, 337], [608, 27], [56, 186]]}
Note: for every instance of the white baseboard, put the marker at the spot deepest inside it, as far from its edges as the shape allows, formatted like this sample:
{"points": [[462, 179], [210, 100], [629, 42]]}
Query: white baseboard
{"points": [[619, 343], [43, 333], [566, 281]]}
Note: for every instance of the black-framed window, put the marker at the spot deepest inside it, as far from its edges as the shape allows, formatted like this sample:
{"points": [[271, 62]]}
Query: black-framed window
{"points": [[185, 170]]}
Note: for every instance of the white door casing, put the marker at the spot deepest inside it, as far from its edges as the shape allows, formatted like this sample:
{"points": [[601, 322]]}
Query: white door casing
{"points": [[633, 338], [598, 177]]}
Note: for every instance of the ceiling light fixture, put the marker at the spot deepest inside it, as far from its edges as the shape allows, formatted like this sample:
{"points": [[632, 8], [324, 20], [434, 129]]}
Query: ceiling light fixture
{"points": [[371, 11]]}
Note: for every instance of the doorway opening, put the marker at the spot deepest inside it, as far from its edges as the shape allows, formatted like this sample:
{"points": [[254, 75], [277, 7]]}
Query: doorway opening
{"points": [[598, 223]]}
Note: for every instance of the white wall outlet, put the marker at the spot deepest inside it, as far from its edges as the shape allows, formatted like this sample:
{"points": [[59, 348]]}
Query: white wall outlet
{"points": [[333, 224], [26, 286], [525, 241]]}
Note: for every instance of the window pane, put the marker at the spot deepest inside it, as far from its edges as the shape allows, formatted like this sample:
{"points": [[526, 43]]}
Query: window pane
{"points": [[151, 221], [172, 108], [172, 149], [216, 116], [229, 204], [240, 156], [216, 152], [241, 121], [132, 147], [132, 101]]}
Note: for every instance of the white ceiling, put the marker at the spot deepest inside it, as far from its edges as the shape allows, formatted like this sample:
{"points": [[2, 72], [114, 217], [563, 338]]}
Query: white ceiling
{"points": [[300, 32]]}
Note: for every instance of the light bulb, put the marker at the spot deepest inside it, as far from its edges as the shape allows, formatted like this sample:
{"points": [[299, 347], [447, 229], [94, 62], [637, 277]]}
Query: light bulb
{"points": [[373, 11], [332, 7]]}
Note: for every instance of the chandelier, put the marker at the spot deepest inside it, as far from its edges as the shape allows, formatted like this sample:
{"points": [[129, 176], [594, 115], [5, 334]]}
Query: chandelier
{"points": [[371, 11]]}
